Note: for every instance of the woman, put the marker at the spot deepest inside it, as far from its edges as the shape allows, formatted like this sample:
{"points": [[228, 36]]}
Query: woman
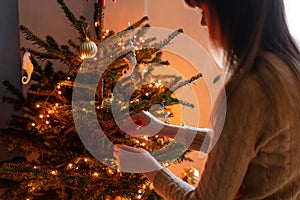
{"points": [[258, 154]]}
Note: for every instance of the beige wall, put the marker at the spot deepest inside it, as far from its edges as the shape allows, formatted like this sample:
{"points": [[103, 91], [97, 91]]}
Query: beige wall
{"points": [[44, 17]]}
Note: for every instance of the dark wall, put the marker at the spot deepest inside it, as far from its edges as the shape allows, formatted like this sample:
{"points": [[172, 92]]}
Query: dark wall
{"points": [[9, 52]]}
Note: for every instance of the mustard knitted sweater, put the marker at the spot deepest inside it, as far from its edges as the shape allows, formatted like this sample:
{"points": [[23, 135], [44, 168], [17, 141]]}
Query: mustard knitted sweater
{"points": [[258, 153]]}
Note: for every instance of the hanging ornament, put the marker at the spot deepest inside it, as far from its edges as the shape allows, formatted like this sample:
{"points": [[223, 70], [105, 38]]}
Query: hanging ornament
{"points": [[190, 175], [131, 61], [87, 49], [28, 67]]}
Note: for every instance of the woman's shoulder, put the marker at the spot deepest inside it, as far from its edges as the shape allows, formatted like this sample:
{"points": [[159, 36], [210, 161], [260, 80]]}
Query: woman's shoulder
{"points": [[271, 82], [271, 78], [278, 81]]}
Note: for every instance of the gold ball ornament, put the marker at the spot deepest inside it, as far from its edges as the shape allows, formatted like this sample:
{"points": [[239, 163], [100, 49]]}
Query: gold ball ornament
{"points": [[87, 49], [190, 175]]}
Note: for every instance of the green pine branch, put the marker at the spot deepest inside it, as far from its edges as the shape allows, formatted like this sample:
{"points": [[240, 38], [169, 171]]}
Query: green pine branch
{"points": [[186, 82], [80, 25]]}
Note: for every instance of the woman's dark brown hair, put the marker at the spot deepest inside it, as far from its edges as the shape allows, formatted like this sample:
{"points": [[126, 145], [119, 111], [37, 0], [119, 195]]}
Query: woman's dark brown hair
{"points": [[249, 27]]}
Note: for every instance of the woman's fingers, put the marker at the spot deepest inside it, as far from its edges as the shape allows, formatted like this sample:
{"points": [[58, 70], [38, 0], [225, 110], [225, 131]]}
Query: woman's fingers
{"points": [[137, 120], [135, 160], [142, 124], [133, 126], [120, 147], [129, 126]]}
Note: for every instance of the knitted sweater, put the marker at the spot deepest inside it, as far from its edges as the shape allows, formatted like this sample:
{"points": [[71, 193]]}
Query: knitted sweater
{"points": [[258, 153]]}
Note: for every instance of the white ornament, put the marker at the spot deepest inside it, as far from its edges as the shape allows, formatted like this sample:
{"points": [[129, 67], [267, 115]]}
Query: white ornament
{"points": [[131, 61], [28, 67], [87, 49]]}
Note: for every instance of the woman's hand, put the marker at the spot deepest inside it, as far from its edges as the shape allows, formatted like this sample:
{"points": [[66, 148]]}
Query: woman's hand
{"points": [[143, 124], [135, 160]]}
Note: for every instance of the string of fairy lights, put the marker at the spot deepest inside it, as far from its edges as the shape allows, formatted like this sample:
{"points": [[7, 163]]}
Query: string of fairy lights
{"points": [[95, 175], [44, 117]]}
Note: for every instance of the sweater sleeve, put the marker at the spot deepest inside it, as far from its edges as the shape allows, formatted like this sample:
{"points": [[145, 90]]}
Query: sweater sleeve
{"points": [[229, 159], [194, 138]]}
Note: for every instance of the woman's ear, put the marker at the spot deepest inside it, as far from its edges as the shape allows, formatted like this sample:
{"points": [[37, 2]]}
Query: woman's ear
{"points": [[203, 20]]}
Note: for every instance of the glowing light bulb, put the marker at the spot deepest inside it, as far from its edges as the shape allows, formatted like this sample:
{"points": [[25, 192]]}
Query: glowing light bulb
{"points": [[47, 122], [82, 57], [147, 94], [38, 105], [41, 116], [33, 124], [85, 160], [139, 196], [59, 92], [70, 165], [56, 104], [53, 172], [96, 174], [58, 87]]}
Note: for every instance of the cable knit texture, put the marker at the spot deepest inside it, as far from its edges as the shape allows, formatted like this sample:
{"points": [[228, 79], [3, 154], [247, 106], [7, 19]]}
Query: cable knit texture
{"points": [[258, 153]]}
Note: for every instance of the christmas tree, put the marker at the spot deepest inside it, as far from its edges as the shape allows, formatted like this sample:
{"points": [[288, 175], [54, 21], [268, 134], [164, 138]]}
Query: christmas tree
{"points": [[55, 161]]}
